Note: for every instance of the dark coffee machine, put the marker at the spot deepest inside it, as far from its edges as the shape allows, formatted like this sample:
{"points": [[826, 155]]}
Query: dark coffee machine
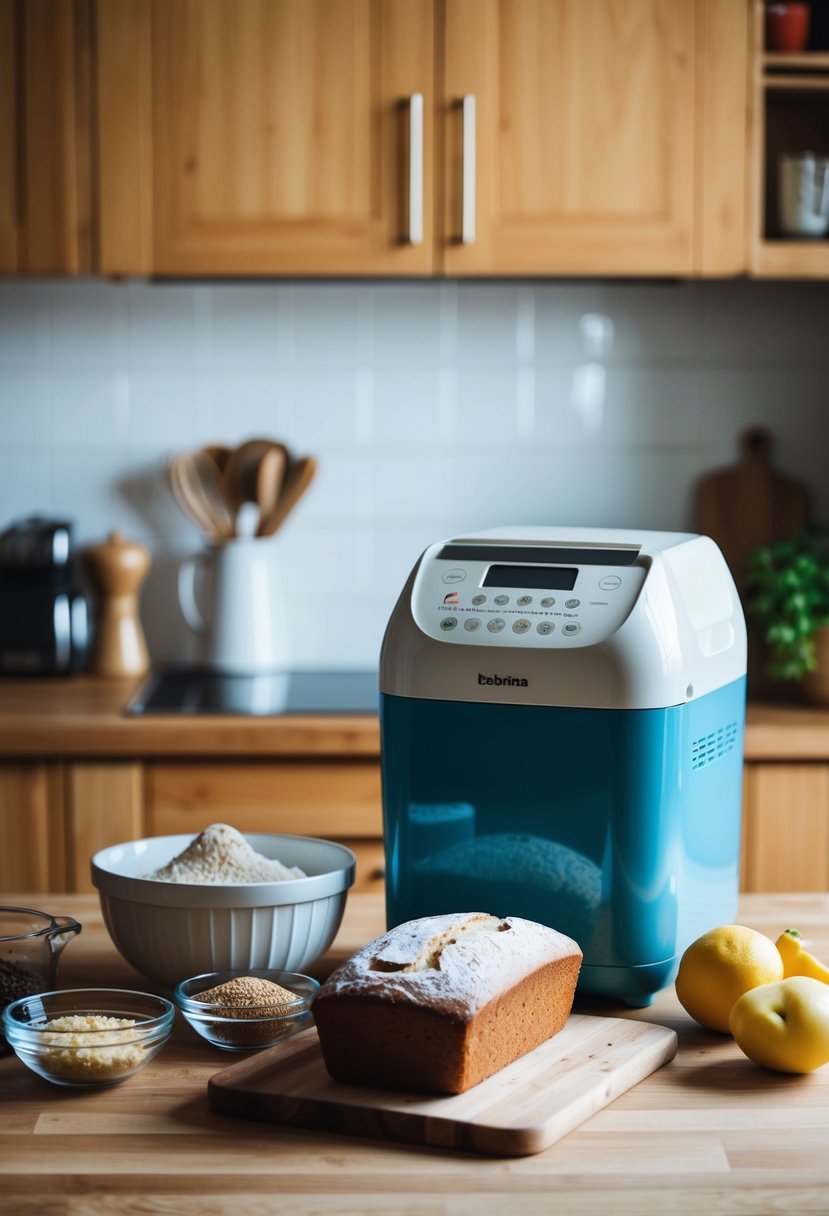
{"points": [[43, 613]]}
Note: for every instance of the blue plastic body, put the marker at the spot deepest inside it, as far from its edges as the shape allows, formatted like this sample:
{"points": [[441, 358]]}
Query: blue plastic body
{"points": [[620, 828]]}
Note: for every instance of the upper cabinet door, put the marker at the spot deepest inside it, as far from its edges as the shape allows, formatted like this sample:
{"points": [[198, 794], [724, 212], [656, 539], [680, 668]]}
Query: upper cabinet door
{"points": [[573, 141], [265, 136], [44, 137]]}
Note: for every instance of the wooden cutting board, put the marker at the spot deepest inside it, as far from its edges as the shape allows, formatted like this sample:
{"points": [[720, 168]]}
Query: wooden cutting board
{"points": [[521, 1110], [750, 504]]}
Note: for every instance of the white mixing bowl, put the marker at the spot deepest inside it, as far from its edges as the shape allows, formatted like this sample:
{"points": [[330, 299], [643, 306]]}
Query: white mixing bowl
{"points": [[170, 931]]}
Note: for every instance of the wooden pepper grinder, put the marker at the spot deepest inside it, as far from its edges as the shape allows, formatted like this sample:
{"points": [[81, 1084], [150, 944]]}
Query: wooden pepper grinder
{"points": [[117, 567]]}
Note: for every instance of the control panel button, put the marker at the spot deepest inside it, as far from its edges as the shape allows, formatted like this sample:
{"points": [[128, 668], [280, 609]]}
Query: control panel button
{"points": [[448, 622], [571, 603], [501, 600], [471, 624], [610, 582], [523, 600], [548, 601], [571, 628], [495, 625], [521, 626], [454, 576], [545, 628], [478, 599]]}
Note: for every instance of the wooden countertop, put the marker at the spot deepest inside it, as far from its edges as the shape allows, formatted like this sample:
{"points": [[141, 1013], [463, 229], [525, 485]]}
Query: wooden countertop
{"points": [[83, 716], [709, 1132]]}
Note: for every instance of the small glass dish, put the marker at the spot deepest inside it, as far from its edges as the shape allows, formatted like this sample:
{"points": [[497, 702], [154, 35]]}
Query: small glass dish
{"points": [[88, 1056], [241, 1028]]}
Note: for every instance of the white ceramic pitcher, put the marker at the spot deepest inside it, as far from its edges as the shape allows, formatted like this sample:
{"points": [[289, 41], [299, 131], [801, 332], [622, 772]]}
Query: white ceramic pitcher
{"points": [[231, 598], [804, 195]]}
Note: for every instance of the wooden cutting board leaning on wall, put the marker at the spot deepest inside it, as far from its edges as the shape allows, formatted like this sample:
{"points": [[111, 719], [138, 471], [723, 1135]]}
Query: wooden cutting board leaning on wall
{"points": [[747, 505]]}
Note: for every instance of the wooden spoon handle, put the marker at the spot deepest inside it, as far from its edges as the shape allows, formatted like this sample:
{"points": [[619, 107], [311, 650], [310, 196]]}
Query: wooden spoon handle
{"points": [[297, 482]]}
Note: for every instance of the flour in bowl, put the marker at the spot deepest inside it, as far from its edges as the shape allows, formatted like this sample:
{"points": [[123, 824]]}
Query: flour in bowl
{"points": [[220, 854]]}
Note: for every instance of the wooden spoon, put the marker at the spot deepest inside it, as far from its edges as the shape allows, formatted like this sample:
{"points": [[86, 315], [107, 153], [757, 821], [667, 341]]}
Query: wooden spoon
{"points": [[239, 473], [194, 480], [296, 483], [218, 453], [270, 479]]}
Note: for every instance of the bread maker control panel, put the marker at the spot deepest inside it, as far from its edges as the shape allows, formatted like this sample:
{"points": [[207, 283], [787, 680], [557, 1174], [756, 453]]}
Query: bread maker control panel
{"points": [[503, 594]]}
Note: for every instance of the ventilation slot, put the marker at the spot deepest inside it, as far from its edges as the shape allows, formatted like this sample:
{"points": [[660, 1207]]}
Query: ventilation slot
{"points": [[709, 748]]}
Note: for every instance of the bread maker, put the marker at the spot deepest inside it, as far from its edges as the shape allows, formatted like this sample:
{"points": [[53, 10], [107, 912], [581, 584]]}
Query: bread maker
{"points": [[562, 716]]}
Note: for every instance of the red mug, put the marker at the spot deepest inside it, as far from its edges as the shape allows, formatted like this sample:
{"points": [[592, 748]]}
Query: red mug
{"points": [[787, 26]]}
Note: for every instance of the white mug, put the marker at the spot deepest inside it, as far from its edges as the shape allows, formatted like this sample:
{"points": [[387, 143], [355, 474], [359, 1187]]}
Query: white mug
{"points": [[230, 596], [804, 195]]}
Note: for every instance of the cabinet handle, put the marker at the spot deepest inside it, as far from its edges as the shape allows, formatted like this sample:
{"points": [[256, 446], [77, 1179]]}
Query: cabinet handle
{"points": [[416, 169], [468, 179]]}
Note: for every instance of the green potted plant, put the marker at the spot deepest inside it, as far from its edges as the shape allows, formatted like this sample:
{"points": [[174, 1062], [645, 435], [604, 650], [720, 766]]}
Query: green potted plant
{"points": [[788, 603]]}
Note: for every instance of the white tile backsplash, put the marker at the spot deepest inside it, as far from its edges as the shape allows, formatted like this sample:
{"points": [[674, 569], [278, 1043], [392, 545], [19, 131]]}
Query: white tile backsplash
{"points": [[433, 408]]}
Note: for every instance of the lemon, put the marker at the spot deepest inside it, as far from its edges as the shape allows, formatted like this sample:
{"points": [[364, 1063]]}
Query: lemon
{"points": [[719, 967]]}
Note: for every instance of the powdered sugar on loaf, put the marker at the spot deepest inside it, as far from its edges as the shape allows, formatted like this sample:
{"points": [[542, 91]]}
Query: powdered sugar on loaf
{"points": [[220, 854]]}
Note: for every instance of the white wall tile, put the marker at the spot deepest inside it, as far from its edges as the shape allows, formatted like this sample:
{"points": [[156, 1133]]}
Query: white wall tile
{"points": [[81, 328], [766, 322], [24, 326], [169, 411], [407, 325], [84, 410], [434, 409], [407, 405], [486, 406], [245, 326], [323, 408], [487, 323], [333, 324], [163, 330], [24, 408], [24, 484]]}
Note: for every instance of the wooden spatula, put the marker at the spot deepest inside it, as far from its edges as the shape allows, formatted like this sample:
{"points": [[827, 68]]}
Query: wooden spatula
{"points": [[296, 483]]}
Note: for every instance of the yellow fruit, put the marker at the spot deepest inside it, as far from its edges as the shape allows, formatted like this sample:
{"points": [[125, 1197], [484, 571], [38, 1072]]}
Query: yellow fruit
{"points": [[784, 1026], [797, 960], [719, 967]]}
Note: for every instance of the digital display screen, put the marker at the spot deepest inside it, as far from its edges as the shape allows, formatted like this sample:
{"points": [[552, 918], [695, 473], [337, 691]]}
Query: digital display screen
{"points": [[550, 578]]}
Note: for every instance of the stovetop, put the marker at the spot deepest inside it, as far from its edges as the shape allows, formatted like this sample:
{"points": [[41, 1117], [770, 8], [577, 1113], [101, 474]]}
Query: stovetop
{"points": [[196, 691]]}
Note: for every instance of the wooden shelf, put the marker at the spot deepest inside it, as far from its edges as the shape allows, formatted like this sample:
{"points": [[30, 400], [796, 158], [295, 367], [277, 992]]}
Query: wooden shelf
{"points": [[792, 259], [789, 113], [811, 61], [797, 84]]}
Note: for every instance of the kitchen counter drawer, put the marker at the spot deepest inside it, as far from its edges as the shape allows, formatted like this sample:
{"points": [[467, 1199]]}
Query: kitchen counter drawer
{"points": [[55, 816], [338, 801]]}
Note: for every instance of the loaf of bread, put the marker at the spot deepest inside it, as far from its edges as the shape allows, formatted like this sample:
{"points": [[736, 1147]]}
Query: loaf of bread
{"points": [[438, 1004]]}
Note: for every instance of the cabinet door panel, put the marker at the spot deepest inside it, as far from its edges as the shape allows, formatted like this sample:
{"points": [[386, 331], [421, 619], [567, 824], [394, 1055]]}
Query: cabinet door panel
{"points": [[279, 134], [585, 135], [44, 137], [104, 806], [786, 828], [329, 799], [32, 853]]}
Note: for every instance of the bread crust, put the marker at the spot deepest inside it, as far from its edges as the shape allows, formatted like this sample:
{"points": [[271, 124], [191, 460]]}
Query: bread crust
{"points": [[439, 1004]]}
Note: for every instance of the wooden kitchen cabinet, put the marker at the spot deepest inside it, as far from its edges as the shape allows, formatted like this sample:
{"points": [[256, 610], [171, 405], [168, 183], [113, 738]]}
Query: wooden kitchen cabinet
{"points": [[790, 114], [608, 136], [254, 137], [55, 815], [44, 137], [786, 827], [32, 829], [260, 137]]}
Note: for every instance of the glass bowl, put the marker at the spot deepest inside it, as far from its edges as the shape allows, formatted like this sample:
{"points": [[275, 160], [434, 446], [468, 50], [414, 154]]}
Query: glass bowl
{"points": [[87, 1056], [31, 943], [233, 1028]]}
